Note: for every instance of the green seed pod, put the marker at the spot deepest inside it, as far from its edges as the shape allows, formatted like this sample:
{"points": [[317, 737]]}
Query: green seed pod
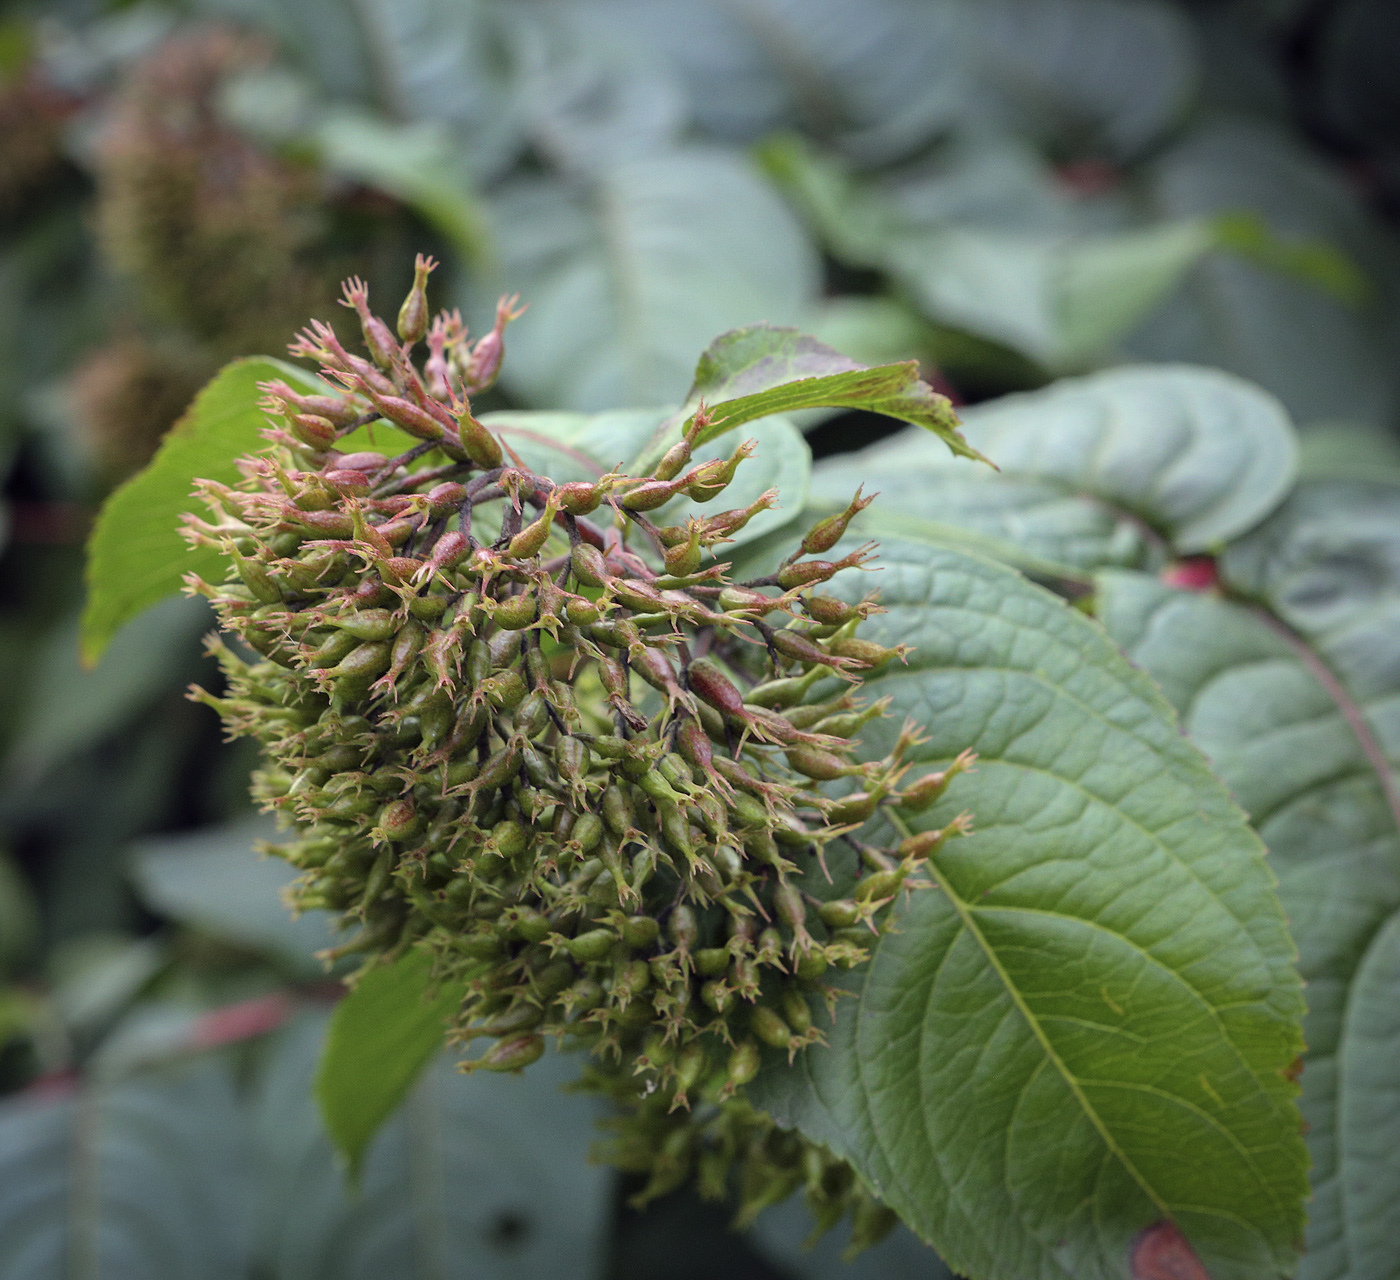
{"points": [[331, 650], [710, 962], [514, 1054], [527, 924], [640, 932], [593, 945], [519, 1017], [825, 534], [690, 1066], [478, 443], [715, 995], [368, 624], [588, 831], [866, 652], [399, 820], [743, 1065], [509, 838], [617, 810], [769, 1027], [413, 315], [682, 927], [797, 1013], [822, 766], [811, 966], [839, 914], [363, 663], [588, 565], [517, 612], [532, 715], [634, 977]]}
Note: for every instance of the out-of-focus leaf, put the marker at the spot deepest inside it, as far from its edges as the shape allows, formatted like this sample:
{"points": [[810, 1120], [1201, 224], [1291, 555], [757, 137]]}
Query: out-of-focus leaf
{"points": [[71, 708], [416, 163], [381, 1037], [1101, 74], [136, 555], [213, 880], [1293, 703], [1319, 264], [94, 976], [19, 915], [476, 1177], [140, 1178], [627, 280], [1084, 1028], [1321, 356]]}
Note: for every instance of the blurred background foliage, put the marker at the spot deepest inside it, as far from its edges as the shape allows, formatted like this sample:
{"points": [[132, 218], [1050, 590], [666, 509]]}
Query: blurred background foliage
{"points": [[1005, 190]]}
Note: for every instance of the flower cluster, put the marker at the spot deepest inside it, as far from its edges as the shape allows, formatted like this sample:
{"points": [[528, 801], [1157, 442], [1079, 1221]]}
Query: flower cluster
{"points": [[537, 731]]}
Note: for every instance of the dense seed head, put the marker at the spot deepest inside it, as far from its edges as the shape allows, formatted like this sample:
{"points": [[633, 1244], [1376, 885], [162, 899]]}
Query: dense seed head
{"points": [[487, 720]]}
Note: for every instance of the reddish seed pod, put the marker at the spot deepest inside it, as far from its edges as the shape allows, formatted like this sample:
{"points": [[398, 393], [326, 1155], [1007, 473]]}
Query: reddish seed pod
{"points": [[804, 573], [866, 652], [716, 689], [578, 497], [485, 363], [514, 1054], [351, 482], [829, 611], [825, 534], [921, 794], [398, 820], [650, 495], [792, 644], [413, 315], [695, 747], [407, 416], [819, 765], [365, 460], [445, 498], [313, 429], [337, 409]]}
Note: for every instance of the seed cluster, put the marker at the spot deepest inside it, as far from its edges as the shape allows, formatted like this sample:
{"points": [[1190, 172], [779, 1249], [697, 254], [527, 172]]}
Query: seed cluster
{"points": [[565, 755]]}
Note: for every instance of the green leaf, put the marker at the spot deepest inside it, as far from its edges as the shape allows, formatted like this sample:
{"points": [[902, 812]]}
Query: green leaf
{"points": [[1321, 356], [629, 277], [764, 369], [1123, 467], [381, 1037], [1084, 1028], [136, 555], [139, 1178], [475, 1176], [213, 881], [417, 164]]}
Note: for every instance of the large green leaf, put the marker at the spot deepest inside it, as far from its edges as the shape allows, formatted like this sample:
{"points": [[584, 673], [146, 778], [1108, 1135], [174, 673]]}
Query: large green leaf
{"points": [[136, 555], [1282, 733], [126, 1181], [1323, 357], [477, 1177], [631, 276], [1119, 468], [382, 1036], [1085, 1028]]}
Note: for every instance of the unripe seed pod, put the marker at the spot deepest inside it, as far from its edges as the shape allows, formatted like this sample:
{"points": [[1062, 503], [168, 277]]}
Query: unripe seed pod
{"points": [[792, 644], [527, 924], [811, 966], [797, 1012], [588, 565], [690, 1066], [769, 1027], [363, 663], [754, 603], [378, 879], [716, 689], [743, 1065], [478, 443], [821, 766], [710, 962], [640, 932], [588, 831], [791, 908], [866, 652], [479, 945], [332, 649], [579, 497], [750, 812], [841, 913], [553, 978], [399, 820], [682, 927], [519, 1017], [504, 689], [510, 838], [923, 793], [532, 538], [880, 884], [584, 995], [517, 612], [715, 995], [829, 611], [634, 977], [312, 429], [684, 557], [413, 315], [806, 572], [514, 1054], [368, 624], [449, 551], [532, 716], [650, 495], [582, 612], [871, 1222], [593, 945], [825, 534]]}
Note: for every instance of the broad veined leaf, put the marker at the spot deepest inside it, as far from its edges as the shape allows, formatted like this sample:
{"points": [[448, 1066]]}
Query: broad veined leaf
{"points": [[1085, 1028], [136, 555], [628, 278], [144, 1177], [1122, 467], [764, 369], [1300, 745], [381, 1037], [475, 1178]]}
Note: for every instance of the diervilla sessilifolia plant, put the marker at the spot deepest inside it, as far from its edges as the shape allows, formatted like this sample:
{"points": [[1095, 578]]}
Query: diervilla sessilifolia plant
{"points": [[521, 726], [579, 751]]}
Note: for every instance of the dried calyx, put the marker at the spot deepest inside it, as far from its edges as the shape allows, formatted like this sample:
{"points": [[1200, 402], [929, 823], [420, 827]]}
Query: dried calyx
{"points": [[520, 725]]}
